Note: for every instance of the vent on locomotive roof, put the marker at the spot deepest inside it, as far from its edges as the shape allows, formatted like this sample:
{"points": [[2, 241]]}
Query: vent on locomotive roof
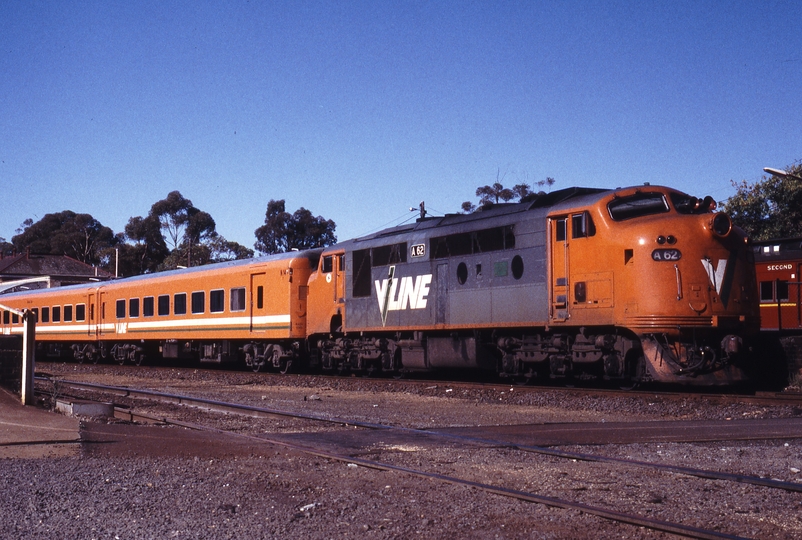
{"points": [[555, 197]]}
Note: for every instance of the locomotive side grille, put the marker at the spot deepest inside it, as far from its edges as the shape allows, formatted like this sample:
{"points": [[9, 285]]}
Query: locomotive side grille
{"points": [[657, 321]]}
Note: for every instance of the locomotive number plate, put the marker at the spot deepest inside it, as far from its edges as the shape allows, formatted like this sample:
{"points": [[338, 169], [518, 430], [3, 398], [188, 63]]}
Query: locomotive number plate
{"points": [[666, 255], [418, 250]]}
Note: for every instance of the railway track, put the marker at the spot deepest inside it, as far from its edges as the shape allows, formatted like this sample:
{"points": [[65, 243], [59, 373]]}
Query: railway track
{"points": [[405, 433], [761, 398]]}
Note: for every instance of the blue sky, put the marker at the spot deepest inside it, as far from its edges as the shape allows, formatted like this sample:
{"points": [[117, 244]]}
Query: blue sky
{"points": [[360, 110]]}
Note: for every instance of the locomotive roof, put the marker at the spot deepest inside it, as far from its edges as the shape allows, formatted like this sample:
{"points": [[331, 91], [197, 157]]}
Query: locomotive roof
{"points": [[545, 201]]}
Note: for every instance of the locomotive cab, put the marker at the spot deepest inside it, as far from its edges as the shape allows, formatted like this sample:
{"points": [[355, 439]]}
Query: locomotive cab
{"points": [[661, 268]]}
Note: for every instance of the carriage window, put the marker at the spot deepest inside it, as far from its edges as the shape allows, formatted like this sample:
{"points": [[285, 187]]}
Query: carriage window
{"points": [[637, 205], [6, 317], [217, 301], [14, 318], [766, 291], [180, 304], [198, 302], [35, 314], [80, 312], [164, 305], [120, 309], [147, 306], [327, 266], [68, 313], [238, 299], [260, 297], [133, 307], [57, 314], [782, 291], [45, 314]]}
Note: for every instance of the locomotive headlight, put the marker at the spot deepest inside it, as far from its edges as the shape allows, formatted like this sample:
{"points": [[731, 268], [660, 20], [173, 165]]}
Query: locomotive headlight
{"points": [[661, 239], [721, 224], [671, 239]]}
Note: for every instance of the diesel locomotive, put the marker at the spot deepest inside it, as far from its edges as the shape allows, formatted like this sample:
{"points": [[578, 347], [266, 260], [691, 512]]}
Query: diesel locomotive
{"points": [[635, 284]]}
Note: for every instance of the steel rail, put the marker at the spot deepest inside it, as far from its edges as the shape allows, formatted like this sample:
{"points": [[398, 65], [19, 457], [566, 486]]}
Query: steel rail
{"points": [[768, 398], [612, 515], [225, 407]]}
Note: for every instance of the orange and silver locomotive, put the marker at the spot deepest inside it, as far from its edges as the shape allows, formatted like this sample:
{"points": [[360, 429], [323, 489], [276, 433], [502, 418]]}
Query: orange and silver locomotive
{"points": [[634, 284]]}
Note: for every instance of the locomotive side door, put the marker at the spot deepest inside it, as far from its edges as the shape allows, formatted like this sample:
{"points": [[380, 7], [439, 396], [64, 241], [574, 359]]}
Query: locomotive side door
{"points": [[332, 266], [257, 301], [558, 268]]}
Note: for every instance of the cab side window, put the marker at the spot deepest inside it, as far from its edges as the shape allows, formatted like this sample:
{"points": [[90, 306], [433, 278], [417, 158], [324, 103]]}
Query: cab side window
{"points": [[582, 225]]}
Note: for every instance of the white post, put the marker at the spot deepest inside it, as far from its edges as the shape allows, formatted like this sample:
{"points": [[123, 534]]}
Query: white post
{"points": [[28, 354], [28, 351]]}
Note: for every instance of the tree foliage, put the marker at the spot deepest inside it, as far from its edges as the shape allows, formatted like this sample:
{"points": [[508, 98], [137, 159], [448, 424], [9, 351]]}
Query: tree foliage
{"points": [[148, 250], [283, 231], [493, 194], [769, 208], [175, 233], [79, 236], [181, 222]]}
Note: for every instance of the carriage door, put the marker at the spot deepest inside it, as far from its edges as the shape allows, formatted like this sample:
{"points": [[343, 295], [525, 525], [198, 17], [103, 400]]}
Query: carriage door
{"points": [[91, 323], [258, 301], [100, 313], [559, 269], [796, 294]]}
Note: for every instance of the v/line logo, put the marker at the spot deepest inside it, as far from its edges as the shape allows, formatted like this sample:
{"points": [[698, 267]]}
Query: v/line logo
{"points": [[715, 275], [408, 292]]}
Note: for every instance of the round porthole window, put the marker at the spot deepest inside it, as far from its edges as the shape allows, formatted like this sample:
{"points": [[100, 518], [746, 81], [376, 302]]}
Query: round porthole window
{"points": [[462, 273], [517, 267]]}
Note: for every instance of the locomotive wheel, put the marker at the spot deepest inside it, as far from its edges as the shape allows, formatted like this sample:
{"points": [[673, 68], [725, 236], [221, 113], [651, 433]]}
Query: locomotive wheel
{"points": [[634, 374], [527, 378], [372, 370]]}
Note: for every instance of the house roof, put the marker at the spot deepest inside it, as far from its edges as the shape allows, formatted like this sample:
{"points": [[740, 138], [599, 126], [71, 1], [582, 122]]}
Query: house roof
{"points": [[25, 265]]}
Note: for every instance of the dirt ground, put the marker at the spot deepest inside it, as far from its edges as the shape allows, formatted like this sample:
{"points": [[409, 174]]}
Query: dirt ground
{"points": [[150, 481]]}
